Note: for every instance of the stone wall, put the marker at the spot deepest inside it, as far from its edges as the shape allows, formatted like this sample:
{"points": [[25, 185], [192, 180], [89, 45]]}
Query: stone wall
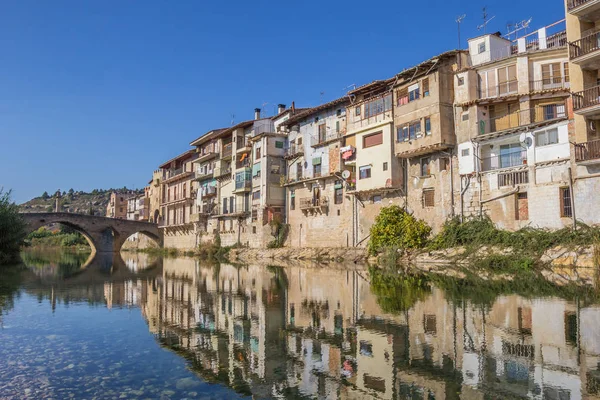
{"points": [[181, 238]]}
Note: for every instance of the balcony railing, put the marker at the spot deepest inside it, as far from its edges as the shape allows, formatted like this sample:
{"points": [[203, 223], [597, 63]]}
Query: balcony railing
{"points": [[586, 98], [502, 89], [556, 83], [525, 117], [323, 139], [202, 175], [513, 178], [507, 160], [571, 4], [243, 144], [227, 150], [308, 203], [239, 207], [585, 45], [587, 151], [294, 150], [220, 172]]}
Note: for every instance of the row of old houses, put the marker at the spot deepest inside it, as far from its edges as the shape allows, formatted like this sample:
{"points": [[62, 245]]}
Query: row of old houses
{"points": [[505, 128]]}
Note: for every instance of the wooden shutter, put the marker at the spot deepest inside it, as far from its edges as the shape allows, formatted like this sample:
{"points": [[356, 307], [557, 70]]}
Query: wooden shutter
{"points": [[546, 74], [566, 71], [556, 78], [373, 140], [425, 87]]}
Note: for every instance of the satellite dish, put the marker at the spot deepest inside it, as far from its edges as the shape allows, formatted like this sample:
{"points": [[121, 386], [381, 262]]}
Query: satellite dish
{"points": [[346, 174], [522, 137], [525, 140]]}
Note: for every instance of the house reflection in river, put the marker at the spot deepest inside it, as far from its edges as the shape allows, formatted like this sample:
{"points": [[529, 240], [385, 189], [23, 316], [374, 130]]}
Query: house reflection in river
{"points": [[320, 333]]}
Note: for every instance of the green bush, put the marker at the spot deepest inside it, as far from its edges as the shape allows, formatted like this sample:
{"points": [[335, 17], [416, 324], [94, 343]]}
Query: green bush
{"points": [[12, 229], [72, 239], [394, 227], [40, 233]]}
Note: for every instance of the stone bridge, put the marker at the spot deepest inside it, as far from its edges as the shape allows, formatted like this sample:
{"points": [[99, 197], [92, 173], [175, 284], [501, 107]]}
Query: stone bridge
{"points": [[105, 235]]}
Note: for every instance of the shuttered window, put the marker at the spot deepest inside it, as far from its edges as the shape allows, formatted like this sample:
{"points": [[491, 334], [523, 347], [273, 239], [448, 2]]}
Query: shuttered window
{"points": [[425, 87], [374, 139]]}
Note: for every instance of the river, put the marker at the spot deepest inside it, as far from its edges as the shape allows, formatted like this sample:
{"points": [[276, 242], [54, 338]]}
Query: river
{"points": [[173, 328]]}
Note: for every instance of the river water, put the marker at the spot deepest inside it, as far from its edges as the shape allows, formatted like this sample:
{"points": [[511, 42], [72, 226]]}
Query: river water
{"points": [[137, 327]]}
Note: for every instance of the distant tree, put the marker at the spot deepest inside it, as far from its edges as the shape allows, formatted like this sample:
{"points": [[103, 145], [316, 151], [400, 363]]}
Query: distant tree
{"points": [[57, 193], [95, 191], [45, 196], [64, 193], [12, 229], [71, 191]]}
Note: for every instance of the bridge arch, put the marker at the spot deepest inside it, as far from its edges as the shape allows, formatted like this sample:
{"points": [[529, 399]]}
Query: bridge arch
{"points": [[105, 235]]}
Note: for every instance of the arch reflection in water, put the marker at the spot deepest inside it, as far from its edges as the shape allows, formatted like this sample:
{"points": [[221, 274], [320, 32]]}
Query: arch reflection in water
{"points": [[298, 331]]}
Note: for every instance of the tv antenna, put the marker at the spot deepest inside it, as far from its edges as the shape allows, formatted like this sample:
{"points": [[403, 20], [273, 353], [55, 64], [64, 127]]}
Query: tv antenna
{"points": [[485, 20], [232, 119], [321, 94], [458, 22], [519, 26]]}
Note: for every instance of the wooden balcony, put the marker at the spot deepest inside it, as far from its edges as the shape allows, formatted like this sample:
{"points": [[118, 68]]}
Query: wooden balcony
{"points": [[551, 84], [584, 9], [585, 52], [312, 204], [522, 118], [588, 152], [293, 150], [587, 102], [227, 150]]}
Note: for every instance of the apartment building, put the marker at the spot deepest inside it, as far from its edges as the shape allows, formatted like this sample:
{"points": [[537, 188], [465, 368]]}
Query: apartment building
{"points": [[178, 201], [138, 206], [425, 138], [208, 148], [583, 34], [318, 210], [375, 174], [117, 206], [513, 115]]}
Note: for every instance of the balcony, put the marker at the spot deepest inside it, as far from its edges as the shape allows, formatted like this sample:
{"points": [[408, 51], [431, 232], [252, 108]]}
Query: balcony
{"points": [[327, 138], [585, 9], [500, 90], [312, 204], [587, 102], [204, 211], [508, 160], [585, 52], [549, 84], [174, 174], [243, 145], [243, 181], [238, 208], [204, 175], [208, 155], [208, 191], [293, 150], [179, 200], [512, 121], [588, 152], [513, 178], [227, 150], [222, 172]]}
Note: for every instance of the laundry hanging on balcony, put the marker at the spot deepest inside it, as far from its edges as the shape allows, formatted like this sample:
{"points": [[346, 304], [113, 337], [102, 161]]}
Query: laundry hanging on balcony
{"points": [[243, 156], [347, 152]]}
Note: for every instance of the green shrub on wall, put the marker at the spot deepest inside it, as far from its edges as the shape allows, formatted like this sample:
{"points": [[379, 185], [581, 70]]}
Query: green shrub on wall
{"points": [[394, 227]]}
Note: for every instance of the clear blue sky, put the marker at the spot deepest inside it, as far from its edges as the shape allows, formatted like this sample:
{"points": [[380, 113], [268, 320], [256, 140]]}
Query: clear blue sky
{"points": [[96, 94]]}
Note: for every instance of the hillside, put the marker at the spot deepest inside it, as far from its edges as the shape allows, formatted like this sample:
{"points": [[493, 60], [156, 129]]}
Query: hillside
{"points": [[78, 202]]}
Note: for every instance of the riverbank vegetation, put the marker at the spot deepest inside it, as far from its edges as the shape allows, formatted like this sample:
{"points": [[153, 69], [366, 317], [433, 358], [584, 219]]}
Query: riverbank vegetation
{"points": [[61, 237], [12, 229]]}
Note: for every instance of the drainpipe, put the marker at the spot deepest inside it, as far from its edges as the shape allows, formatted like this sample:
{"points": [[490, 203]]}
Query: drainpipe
{"points": [[462, 195], [572, 200], [452, 183]]}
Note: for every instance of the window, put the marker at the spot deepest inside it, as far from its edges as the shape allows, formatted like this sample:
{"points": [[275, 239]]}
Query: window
{"points": [[376, 199], [232, 204], [430, 324], [357, 111], [402, 133], [565, 203], [425, 170], [254, 229], [413, 92], [257, 153], [465, 117], [414, 130], [292, 199], [425, 87], [461, 80], [378, 105], [507, 79], [444, 162], [184, 190], [521, 207], [322, 132], [373, 139], [364, 172], [278, 145], [385, 166], [402, 96], [551, 74], [337, 126], [299, 140], [547, 137], [428, 197], [428, 126], [338, 112], [481, 47], [224, 208], [338, 192], [566, 71], [552, 111], [254, 218], [256, 195], [465, 152], [317, 170]]}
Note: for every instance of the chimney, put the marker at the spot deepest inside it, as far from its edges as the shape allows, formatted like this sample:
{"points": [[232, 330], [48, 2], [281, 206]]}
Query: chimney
{"points": [[257, 113], [293, 107], [280, 108]]}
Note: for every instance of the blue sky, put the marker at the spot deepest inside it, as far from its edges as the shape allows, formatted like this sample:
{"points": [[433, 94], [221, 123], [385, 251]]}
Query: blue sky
{"points": [[96, 94]]}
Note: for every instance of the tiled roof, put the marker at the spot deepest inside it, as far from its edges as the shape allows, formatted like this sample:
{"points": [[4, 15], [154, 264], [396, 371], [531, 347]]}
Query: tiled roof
{"points": [[207, 136], [309, 111], [182, 156]]}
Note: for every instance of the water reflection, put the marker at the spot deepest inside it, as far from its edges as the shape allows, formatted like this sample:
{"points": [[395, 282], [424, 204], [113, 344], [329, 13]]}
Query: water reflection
{"points": [[297, 332]]}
